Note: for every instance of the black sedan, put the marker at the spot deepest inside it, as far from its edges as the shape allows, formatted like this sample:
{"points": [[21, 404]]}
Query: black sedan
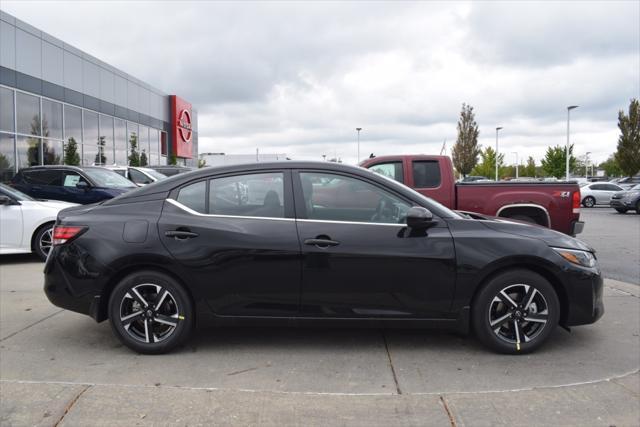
{"points": [[299, 242]]}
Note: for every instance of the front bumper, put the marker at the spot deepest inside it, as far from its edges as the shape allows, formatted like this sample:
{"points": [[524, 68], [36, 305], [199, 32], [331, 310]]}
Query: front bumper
{"points": [[622, 203], [585, 296]]}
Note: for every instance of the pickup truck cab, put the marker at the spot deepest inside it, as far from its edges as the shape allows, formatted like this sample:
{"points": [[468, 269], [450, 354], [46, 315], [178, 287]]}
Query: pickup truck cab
{"points": [[551, 204]]}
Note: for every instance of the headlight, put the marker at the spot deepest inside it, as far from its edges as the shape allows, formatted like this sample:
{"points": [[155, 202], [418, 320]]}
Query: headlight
{"points": [[582, 258]]}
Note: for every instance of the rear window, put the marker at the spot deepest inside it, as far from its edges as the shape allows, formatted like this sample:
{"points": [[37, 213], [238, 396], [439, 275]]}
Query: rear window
{"points": [[426, 174], [194, 196], [43, 177]]}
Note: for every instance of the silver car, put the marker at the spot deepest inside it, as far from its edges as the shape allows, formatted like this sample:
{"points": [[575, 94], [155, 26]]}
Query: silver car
{"points": [[598, 193]]}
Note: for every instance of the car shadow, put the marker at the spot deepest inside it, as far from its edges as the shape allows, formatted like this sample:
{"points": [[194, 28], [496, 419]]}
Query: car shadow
{"points": [[19, 259]]}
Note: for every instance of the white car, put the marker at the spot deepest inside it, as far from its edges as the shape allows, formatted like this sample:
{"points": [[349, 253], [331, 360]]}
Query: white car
{"points": [[140, 176], [26, 224], [598, 193]]}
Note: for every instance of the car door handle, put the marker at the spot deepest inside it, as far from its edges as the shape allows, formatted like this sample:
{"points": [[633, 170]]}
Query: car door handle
{"points": [[321, 242], [181, 234]]}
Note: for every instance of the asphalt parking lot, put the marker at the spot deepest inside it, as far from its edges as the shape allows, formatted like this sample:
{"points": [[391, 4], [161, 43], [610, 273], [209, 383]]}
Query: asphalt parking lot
{"points": [[61, 368], [616, 239]]}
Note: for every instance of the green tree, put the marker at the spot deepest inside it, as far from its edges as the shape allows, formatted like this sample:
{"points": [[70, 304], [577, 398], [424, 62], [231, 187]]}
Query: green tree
{"points": [[554, 162], [611, 167], [143, 158], [487, 165], [101, 159], [173, 160], [202, 163], [465, 151], [134, 156], [71, 156], [530, 169], [628, 154]]}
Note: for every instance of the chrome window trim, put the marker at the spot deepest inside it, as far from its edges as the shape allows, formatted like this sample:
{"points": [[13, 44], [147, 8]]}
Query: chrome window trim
{"points": [[192, 212], [196, 213]]}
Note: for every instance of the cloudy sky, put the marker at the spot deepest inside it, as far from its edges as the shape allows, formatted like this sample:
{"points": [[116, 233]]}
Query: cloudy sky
{"points": [[298, 78]]}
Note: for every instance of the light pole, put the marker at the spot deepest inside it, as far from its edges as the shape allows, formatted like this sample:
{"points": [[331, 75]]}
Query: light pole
{"points": [[516, 153], [569, 108], [497, 129], [358, 160], [586, 164]]}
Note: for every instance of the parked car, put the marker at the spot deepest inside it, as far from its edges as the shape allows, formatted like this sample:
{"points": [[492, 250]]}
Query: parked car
{"points": [[598, 193], [313, 241], [140, 176], [170, 170], [26, 224], [629, 181], [73, 184], [626, 200], [555, 205]]}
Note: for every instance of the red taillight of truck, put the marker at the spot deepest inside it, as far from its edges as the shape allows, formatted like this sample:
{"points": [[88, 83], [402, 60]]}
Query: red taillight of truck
{"points": [[576, 202]]}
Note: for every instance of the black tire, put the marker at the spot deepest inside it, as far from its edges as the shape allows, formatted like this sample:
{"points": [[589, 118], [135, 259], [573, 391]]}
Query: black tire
{"points": [[149, 330], [621, 210], [638, 207], [588, 202], [42, 240], [488, 306]]}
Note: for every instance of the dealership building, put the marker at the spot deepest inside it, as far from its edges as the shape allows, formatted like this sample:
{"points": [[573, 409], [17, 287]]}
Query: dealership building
{"points": [[56, 99]]}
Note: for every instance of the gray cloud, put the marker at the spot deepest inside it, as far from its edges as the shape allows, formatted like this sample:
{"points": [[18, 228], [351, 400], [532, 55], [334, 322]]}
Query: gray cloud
{"points": [[301, 76]]}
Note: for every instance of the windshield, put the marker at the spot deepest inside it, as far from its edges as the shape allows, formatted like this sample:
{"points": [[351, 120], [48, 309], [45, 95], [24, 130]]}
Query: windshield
{"points": [[12, 192], [155, 174], [107, 178]]}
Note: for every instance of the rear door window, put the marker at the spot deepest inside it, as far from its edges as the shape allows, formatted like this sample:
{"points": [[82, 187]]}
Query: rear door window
{"points": [[426, 174], [194, 196], [260, 195], [43, 177]]}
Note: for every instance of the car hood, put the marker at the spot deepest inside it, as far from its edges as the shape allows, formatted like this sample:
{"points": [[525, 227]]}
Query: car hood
{"points": [[550, 237]]}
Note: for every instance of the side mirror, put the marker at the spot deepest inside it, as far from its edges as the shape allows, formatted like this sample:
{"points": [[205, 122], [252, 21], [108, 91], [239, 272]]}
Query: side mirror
{"points": [[82, 185], [419, 218], [7, 201]]}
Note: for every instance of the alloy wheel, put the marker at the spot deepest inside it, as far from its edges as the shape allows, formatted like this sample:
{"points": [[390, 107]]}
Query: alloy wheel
{"points": [[46, 241], [518, 313], [149, 313], [589, 202]]}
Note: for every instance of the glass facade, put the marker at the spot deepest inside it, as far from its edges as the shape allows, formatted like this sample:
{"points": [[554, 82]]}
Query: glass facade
{"points": [[36, 130]]}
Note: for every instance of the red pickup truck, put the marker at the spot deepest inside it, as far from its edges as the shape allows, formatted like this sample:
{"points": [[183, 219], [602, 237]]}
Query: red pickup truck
{"points": [[552, 204]]}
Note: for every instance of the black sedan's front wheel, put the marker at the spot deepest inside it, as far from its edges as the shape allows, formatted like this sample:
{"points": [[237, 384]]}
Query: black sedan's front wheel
{"points": [[515, 312], [150, 312]]}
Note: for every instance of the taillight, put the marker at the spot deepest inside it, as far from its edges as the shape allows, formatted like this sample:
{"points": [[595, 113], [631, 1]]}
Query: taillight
{"points": [[63, 233], [576, 202]]}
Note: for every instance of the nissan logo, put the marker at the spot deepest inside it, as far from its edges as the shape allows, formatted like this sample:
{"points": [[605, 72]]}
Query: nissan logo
{"points": [[184, 125]]}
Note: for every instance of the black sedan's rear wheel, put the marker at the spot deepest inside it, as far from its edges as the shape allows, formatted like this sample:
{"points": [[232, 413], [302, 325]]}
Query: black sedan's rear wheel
{"points": [[150, 312], [515, 312]]}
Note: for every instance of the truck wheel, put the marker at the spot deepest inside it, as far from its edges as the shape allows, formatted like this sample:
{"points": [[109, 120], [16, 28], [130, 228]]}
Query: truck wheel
{"points": [[621, 210], [589, 202], [515, 312]]}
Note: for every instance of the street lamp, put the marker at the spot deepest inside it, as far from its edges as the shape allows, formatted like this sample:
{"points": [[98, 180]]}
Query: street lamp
{"points": [[358, 129], [497, 129], [569, 108], [586, 164], [516, 153]]}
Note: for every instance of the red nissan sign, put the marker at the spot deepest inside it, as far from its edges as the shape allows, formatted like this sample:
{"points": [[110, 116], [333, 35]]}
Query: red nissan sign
{"points": [[181, 127]]}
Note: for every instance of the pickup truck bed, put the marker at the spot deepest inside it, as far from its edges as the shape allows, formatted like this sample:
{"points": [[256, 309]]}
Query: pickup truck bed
{"points": [[552, 204]]}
